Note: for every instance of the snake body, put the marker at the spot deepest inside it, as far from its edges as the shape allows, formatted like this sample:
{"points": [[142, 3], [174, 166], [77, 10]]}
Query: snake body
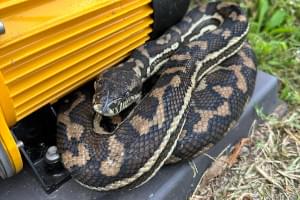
{"points": [[193, 103], [119, 87]]}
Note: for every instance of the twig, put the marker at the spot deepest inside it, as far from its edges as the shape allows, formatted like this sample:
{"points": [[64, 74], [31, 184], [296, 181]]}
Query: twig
{"points": [[292, 135], [290, 176], [267, 177]]}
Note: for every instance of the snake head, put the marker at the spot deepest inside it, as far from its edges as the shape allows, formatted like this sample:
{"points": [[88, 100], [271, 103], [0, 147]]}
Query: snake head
{"points": [[116, 90]]}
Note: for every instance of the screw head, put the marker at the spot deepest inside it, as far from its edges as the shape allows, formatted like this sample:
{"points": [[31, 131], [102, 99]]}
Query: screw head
{"points": [[52, 154], [2, 29]]}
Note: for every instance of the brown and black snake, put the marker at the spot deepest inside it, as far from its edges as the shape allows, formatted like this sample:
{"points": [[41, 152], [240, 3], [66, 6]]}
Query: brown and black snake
{"points": [[202, 90]]}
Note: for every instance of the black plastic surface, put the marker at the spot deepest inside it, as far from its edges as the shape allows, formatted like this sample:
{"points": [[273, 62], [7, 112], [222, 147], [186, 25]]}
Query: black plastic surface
{"points": [[167, 13], [175, 182]]}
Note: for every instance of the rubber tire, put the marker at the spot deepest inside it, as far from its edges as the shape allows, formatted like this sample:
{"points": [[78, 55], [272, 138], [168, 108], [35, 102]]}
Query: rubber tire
{"points": [[167, 13], [6, 168]]}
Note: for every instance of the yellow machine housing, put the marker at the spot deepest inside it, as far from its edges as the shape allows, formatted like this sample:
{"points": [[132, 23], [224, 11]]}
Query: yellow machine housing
{"points": [[49, 48]]}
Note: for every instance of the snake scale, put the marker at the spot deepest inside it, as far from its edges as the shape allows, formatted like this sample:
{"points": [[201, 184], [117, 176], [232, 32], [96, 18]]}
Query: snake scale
{"points": [[200, 93]]}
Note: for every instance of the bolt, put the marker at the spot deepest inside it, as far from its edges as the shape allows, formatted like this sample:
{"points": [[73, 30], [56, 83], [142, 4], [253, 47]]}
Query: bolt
{"points": [[20, 144], [2, 29], [52, 154]]}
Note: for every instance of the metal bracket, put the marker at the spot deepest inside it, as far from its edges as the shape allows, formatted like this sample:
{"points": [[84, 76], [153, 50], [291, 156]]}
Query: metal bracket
{"points": [[40, 153], [50, 181]]}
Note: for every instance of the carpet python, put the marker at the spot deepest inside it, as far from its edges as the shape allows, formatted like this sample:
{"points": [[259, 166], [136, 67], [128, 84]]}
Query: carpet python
{"points": [[200, 93]]}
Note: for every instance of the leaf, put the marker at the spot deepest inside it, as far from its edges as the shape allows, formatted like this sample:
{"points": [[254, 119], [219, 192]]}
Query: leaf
{"points": [[216, 169], [274, 62], [263, 6], [280, 30], [276, 20], [277, 45], [233, 158]]}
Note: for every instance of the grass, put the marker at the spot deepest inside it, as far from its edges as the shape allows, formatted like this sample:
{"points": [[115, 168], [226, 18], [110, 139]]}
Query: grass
{"points": [[269, 167], [275, 38]]}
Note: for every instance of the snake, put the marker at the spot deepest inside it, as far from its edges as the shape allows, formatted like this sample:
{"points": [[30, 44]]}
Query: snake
{"points": [[202, 90], [121, 86]]}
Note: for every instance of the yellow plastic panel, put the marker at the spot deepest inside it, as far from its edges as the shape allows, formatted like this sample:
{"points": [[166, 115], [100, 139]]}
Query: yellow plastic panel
{"points": [[44, 47], [51, 47], [9, 144]]}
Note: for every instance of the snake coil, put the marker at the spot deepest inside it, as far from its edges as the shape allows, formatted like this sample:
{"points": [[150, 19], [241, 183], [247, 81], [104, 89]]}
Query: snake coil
{"points": [[201, 92]]}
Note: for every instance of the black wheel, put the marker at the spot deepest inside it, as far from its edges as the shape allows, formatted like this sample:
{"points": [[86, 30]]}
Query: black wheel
{"points": [[6, 168], [166, 14]]}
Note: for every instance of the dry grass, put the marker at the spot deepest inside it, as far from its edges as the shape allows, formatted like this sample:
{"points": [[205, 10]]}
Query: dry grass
{"points": [[268, 168]]}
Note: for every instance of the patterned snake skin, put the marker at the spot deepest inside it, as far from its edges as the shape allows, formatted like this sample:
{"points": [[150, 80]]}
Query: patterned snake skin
{"points": [[201, 92], [119, 87]]}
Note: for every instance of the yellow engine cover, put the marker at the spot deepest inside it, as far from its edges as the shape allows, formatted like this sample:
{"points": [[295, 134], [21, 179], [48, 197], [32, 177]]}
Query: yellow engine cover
{"points": [[51, 47]]}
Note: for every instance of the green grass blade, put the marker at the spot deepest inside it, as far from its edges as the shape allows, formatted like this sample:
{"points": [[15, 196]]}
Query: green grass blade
{"points": [[276, 20], [263, 6]]}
